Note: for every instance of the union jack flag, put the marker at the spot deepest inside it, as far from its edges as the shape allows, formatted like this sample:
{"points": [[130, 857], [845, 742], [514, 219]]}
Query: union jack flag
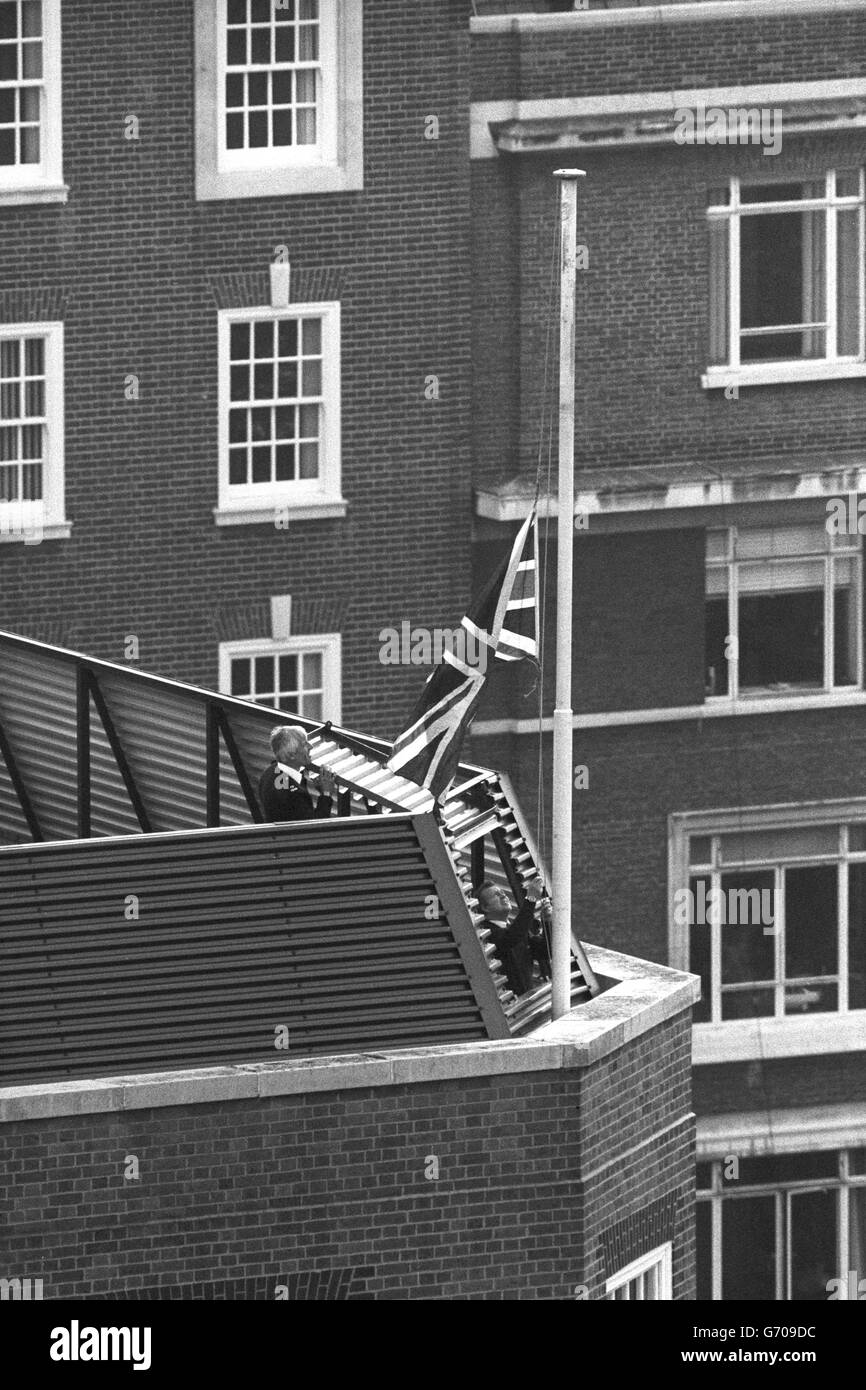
{"points": [[502, 624]]}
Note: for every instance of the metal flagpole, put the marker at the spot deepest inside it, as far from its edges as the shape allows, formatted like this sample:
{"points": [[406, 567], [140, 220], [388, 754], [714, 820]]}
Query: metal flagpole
{"points": [[562, 715]]}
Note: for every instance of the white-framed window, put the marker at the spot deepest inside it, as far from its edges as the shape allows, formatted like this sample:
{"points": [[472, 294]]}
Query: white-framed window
{"points": [[648, 1278], [279, 99], [31, 159], [787, 279], [768, 907], [299, 675], [31, 431], [787, 1227], [783, 613], [279, 405], [279, 94]]}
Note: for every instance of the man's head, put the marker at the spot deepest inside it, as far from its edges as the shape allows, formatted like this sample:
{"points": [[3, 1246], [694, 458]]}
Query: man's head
{"points": [[290, 745], [495, 902]]}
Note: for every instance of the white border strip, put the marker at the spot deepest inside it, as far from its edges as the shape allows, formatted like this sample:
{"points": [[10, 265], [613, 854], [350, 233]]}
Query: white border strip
{"points": [[610, 104], [716, 709]]}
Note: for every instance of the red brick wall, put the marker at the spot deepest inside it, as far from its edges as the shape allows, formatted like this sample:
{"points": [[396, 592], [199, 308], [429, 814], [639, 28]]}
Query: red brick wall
{"points": [[784, 1084], [642, 315], [534, 1169], [137, 258], [638, 622], [639, 775], [577, 60]]}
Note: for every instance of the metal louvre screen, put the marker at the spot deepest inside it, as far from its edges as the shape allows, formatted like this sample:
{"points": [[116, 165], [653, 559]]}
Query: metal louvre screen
{"points": [[168, 951]]}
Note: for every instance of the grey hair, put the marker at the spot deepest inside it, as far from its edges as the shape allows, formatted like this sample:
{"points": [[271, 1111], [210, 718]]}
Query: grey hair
{"points": [[287, 738]]}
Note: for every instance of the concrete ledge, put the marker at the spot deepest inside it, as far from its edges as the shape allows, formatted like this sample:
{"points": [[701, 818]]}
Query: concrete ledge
{"points": [[644, 996], [764, 1039], [698, 12], [753, 1134]]}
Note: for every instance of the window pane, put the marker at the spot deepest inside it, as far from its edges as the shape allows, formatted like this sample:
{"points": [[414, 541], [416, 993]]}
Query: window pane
{"points": [[258, 129], [716, 644], [312, 378], [288, 337], [241, 675], [29, 145], [700, 849], [31, 54], [857, 938], [704, 1251], [779, 1168], [749, 1249], [718, 228], [287, 381], [260, 46], [264, 673], [285, 457], [844, 635], [747, 1003], [263, 337], [308, 461], [782, 282], [31, 18], [8, 20], [857, 1230], [782, 640], [10, 356], [699, 948], [313, 671], [848, 253], [239, 341], [747, 904], [794, 842], [288, 674], [811, 922], [313, 706], [312, 337], [813, 1245], [779, 542], [262, 465], [306, 118], [236, 47]]}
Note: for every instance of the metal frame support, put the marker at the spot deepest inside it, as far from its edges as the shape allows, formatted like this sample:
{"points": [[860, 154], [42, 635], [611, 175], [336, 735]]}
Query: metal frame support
{"points": [[212, 764], [82, 750]]}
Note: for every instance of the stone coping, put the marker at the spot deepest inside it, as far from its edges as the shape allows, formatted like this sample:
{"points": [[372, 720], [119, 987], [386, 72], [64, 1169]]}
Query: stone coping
{"points": [[668, 12], [643, 996]]}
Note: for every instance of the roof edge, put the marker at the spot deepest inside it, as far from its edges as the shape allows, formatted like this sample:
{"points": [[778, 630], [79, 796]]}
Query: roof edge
{"points": [[643, 996]]}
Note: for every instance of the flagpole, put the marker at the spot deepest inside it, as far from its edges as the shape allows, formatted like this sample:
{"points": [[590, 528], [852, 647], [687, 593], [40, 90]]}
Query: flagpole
{"points": [[562, 714]]}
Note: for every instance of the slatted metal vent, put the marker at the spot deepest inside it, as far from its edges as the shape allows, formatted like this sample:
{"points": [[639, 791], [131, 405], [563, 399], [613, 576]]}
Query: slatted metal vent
{"points": [[167, 951]]}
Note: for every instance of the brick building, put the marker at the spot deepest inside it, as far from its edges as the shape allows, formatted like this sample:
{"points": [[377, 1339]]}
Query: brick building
{"points": [[258, 1061], [189, 439], [560, 1166], [719, 692], [241, 475]]}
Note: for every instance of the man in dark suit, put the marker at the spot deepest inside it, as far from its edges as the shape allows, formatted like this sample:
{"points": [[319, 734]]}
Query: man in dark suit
{"points": [[516, 935], [284, 790]]}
